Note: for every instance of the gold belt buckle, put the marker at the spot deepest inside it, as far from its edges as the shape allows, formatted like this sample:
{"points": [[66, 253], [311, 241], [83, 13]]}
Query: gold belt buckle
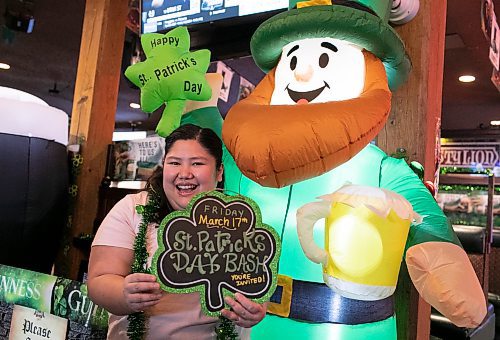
{"points": [[282, 308]]}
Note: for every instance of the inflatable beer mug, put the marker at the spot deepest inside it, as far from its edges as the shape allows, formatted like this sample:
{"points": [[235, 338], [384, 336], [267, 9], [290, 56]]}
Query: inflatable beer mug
{"points": [[365, 236]]}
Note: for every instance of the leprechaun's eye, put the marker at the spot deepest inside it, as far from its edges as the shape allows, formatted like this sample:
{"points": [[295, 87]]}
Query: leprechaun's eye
{"points": [[323, 60], [293, 63]]}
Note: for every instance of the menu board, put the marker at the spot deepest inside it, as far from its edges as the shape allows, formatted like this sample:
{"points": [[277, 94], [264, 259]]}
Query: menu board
{"points": [[160, 15]]}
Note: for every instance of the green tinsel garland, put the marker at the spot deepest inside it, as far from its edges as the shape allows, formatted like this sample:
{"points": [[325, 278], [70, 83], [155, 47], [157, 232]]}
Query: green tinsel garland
{"points": [[136, 329], [225, 329], [457, 170], [466, 188]]}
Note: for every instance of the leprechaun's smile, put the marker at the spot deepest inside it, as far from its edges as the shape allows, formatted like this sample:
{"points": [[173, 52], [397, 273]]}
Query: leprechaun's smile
{"points": [[307, 96]]}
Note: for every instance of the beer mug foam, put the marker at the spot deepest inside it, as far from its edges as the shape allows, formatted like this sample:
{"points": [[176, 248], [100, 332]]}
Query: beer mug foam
{"points": [[365, 235]]}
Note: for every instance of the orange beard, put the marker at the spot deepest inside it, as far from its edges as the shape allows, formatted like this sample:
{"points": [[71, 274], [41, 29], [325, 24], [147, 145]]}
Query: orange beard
{"points": [[279, 145]]}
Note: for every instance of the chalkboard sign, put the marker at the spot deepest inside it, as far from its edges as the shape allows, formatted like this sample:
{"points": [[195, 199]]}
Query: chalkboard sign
{"points": [[217, 246]]}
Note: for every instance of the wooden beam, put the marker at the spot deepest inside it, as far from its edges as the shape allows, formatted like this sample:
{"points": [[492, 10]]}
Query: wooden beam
{"points": [[94, 107], [414, 124]]}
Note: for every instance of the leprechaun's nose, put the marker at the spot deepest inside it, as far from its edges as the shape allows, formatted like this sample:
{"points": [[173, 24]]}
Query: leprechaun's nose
{"points": [[303, 73]]}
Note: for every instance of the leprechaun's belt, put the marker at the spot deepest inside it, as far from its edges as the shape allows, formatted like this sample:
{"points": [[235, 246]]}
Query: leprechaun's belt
{"points": [[316, 302]]}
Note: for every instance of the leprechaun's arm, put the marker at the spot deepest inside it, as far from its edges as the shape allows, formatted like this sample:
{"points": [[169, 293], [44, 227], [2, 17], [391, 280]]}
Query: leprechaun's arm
{"points": [[437, 264], [444, 277], [397, 176]]}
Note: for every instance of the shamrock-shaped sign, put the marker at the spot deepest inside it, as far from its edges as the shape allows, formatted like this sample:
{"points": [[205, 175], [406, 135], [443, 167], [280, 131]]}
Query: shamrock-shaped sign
{"points": [[217, 247], [170, 74]]}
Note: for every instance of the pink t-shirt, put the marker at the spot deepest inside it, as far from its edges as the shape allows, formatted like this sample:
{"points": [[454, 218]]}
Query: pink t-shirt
{"points": [[176, 316]]}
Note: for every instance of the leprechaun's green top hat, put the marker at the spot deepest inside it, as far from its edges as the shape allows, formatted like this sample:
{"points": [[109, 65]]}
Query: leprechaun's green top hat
{"points": [[362, 22]]}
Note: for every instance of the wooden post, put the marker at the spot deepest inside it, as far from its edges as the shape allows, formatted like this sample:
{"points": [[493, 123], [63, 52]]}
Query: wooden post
{"points": [[94, 107], [414, 125]]}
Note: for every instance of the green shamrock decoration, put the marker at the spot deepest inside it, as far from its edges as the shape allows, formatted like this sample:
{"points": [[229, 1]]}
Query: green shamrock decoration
{"points": [[73, 190], [61, 305], [170, 74]]}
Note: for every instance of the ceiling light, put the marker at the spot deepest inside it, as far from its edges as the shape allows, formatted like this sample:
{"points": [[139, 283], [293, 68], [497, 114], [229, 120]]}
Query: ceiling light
{"points": [[4, 66], [495, 122], [135, 106], [467, 78]]}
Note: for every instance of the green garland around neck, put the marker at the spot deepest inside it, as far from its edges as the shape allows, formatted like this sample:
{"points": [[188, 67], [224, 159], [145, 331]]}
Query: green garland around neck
{"points": [[136, 329]]}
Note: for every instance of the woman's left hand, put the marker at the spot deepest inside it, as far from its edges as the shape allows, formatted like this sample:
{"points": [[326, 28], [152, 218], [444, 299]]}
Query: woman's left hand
{"points": [[244, 312]]}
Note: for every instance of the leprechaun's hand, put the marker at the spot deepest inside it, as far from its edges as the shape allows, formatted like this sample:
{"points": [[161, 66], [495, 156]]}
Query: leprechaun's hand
{"points": [[444, 277]]}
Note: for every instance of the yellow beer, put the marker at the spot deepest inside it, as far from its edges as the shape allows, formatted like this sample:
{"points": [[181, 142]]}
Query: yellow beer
{"points": [[365, 235]]}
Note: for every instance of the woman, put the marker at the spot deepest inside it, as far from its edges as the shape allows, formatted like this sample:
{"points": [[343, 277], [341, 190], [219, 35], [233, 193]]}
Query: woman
{"points": [[193, 164]]}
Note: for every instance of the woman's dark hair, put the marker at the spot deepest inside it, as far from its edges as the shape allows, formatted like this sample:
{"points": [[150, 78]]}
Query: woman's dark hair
{"points": [[206, 137]]}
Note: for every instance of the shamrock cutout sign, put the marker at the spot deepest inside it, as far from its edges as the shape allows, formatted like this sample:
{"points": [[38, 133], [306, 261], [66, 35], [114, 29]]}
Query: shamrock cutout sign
{"points": [[217, 247], [171, 74]]}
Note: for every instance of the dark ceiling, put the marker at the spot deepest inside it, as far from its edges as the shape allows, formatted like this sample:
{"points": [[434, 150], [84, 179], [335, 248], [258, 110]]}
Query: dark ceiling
{"points": [[44, 63]]}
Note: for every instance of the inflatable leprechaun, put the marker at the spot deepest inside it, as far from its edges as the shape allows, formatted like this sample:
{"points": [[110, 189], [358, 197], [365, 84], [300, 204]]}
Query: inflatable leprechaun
{"points": [[303, 133]]}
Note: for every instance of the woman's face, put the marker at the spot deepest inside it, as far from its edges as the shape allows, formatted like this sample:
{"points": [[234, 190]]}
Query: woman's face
{"points": [[188, 170]]}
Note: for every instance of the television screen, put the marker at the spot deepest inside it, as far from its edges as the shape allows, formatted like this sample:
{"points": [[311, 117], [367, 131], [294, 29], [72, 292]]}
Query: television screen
{"points": [[162, 15]]}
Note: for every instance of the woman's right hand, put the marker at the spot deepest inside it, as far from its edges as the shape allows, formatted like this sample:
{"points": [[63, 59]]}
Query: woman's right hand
{"points": [[141, 291]]}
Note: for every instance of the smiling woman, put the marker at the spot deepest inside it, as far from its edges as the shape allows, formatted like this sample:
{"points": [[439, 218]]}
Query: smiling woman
{"points": [[187, 171], [189, 163], [193, 164]]}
